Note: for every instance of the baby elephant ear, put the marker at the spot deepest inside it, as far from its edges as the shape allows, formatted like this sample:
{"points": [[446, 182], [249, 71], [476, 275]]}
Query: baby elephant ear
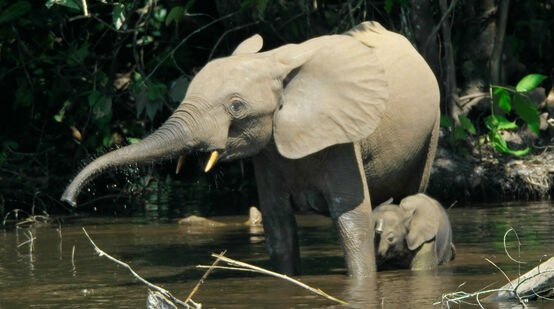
{"points": [[249, 46], [335, 91], [422, 219]]}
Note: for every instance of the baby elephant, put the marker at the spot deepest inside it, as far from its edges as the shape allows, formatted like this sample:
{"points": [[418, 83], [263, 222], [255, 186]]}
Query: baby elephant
{"points": [[415, 234]]}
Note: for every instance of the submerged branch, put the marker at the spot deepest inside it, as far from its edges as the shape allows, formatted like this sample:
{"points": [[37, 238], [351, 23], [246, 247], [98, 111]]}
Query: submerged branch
{"points": [[161, 290], [247, 267]]}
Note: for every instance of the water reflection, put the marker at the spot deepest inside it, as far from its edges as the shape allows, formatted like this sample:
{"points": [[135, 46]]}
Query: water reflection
{"points": [[59, 268]]}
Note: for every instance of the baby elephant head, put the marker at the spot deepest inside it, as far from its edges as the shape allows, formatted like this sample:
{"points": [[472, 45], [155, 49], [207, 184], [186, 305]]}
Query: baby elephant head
{"points": [[402, 229]]}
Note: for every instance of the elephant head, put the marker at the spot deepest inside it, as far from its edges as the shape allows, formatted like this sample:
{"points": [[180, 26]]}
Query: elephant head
{"points": [[406, 226], [237, 105]]}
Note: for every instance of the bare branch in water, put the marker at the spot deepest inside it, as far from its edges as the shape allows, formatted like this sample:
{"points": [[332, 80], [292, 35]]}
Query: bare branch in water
{"points": [[241, 266], [161, 290]]}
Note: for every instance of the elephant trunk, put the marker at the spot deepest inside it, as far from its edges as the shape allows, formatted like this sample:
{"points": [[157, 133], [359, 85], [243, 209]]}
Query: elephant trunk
{"points": [[171, 139]]}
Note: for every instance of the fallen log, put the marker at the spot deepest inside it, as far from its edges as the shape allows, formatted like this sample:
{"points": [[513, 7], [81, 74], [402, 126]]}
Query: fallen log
{"points": [[538, 282]]}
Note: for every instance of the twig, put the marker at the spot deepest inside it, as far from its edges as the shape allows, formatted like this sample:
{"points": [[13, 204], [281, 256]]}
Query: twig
{"points": [[184, 40], [274, 274], [73, 257], [227, 32], [163, 291], [438, 26], [30, 239], [505, 276], [85, 8], [518, 245], [206, 274]]}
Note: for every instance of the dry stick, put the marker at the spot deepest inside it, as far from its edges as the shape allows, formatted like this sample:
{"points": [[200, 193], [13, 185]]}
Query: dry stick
{"points": [[73, 257], [511, 229], [509, 281], [204, 276], [274, 274], [163, 291]]}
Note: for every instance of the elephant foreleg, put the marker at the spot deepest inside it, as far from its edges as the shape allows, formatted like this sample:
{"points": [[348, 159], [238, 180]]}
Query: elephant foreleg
{"points": [[279, 222], [350, 208]]}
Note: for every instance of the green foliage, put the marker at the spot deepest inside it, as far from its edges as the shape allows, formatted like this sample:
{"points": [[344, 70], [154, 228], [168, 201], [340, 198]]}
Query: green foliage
{"points": [[507, 98], [15, 11]]}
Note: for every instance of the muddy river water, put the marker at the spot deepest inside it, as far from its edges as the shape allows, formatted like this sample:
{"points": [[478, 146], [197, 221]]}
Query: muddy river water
{"points": [[61, 270]]}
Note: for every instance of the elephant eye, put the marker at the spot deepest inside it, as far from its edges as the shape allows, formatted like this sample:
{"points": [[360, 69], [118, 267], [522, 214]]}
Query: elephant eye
{"points": [[390, 238], [236, 106]]}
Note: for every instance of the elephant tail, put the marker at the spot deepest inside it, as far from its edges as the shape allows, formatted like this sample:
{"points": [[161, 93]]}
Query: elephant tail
{"points": [[452, 251]]}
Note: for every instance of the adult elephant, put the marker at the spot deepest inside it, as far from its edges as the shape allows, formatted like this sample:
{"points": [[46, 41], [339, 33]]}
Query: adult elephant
{"points": [[333, 124]]}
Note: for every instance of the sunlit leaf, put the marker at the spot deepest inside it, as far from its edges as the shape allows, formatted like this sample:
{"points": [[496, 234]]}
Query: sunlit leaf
{"points": [[529, 82], [504, 100], [118, 15], [500, 144], [528, 112], [73, 4], [15, 11], [445, 121], [467, 125], [133, 140], [504, 124]]}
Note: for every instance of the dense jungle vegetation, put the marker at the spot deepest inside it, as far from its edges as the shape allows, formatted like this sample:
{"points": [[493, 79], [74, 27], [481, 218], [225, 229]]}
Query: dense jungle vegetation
{"points": [[81, 77]]}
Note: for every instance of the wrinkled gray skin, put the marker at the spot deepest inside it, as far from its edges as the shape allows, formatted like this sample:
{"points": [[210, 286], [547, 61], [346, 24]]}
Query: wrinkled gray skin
{"points": [[333, 124], [415, 234]]}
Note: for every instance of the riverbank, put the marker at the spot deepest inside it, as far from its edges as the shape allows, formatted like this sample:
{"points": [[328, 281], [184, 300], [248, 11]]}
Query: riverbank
{"points": [[491, 176]]}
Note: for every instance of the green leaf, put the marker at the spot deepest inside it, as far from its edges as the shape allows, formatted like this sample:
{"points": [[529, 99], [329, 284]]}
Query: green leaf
{"points": [[504, 124], [73, 4], [15, 11], [189, 4], [23, 95], [77, 56], [496, 123], [445, 121], [175, 15], [94, 97], [500, 144], [102, 108], [504, 100], [529, 82], [118, 16], [459, 133], [466, 124], [528, 112], [60, 115], [133, 140], [152, 108], [388, 5]]}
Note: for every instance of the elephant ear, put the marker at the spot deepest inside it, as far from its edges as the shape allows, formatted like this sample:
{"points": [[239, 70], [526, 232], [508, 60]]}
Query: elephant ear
{"points": [[421, 220], [249, 46], [335, 91]]}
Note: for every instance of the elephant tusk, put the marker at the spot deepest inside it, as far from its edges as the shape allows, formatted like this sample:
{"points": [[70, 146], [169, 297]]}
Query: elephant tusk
{"points": [[180, 164], [379, 227], [211, 161]]}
